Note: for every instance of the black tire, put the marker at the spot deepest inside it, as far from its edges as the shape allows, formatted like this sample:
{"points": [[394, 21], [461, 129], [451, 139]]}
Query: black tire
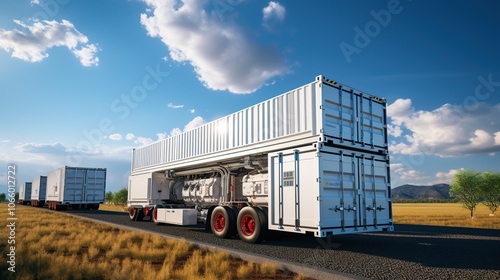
{"points": [[135, 214], [252, 224], [94, 206], [223, 222], [208, 218]]}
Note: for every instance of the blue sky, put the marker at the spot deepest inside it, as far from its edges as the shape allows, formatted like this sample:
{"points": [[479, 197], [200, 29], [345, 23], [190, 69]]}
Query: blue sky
{"points": [[84, 82]]}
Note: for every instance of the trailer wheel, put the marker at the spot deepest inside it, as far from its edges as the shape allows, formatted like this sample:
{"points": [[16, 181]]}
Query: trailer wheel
{"points": [[223, 222], [154, 215], [252, 224], [135, 214], [94, 206]]}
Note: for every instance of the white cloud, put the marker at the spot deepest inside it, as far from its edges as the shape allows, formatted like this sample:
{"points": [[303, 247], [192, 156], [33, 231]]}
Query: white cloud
{"points": [[31, 43], [406, 173], [197, 121], [223, 57], [115, 137], [175, 131], [445, 177], [35, 148], [130, 136], [87, 55], [171, 105], [143, 141], [161, 135], [273, 12], [192, 111], [448, 131]]}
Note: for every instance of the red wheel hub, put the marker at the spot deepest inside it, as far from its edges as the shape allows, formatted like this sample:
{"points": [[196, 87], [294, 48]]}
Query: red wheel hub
{"points": [[219, 222], [131, 211], [155, 214], [248, 225]]}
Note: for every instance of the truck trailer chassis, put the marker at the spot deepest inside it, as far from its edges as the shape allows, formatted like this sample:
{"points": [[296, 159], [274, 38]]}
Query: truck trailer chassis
{"points": [[313, 160]]}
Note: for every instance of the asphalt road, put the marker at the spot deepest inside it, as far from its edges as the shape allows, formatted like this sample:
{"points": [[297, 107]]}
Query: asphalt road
{"points": [[410, 252]]}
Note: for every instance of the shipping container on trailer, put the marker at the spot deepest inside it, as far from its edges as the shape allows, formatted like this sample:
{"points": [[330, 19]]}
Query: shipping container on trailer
{"points": [[76, 187], [25, 193], [38, 191], [311, 160]]}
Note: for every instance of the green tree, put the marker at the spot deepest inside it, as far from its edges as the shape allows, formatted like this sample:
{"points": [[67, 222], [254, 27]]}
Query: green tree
{"points": [[121, 196], [465, 186], [490, 190], [109, 197], [3, 197]]}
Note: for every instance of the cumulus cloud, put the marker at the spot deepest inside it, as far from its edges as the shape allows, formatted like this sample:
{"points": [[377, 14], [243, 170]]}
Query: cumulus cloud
{"points": [[405, 173], [35, 148], [445, 177], [171, 105], [447, 131], [274, 12], [192, 111], [32, 42], [197, 121], [223, 56], [115, 137], [130, 136]]}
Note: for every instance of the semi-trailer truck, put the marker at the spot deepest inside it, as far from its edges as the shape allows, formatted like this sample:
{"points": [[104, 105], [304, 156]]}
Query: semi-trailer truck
{"points": [[25, 193], [75, 188], [312, 160], [38, 191]]}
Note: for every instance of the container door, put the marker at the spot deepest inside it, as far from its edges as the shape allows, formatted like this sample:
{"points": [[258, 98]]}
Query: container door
{"points": [[74, 185], [354, 190], [375, 190], [339, 115], [95, 185], [339, 190]]}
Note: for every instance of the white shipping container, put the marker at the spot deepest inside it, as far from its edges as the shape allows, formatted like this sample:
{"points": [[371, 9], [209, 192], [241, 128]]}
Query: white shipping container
{"points": [[25, 193], [76, 185], [322, 111], [329, 190], [38, 190]]}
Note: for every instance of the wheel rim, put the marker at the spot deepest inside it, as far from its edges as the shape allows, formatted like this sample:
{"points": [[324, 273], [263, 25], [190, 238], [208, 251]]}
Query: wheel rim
{"points": [[155, 214], [248, 225], [219, 222], [131, 212]]}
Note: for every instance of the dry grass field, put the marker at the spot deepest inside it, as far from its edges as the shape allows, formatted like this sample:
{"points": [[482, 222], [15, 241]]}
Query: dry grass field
{"points": [[444, 214], [51, 245]]}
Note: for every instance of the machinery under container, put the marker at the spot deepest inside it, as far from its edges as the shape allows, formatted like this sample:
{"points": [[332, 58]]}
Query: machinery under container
{"points": [[321, 111], [183, 217], [329, 191], [38, 191], [77, 186], [25, 193]]}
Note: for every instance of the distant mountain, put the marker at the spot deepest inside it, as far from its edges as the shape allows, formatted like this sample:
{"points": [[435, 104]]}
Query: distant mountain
{"points": [[439, 191]]}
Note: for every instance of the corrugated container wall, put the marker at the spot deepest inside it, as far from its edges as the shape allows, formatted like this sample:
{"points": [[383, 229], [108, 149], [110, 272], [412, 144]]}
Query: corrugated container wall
{"points": [[39, 188], [73, 185], [322, 111], [25, 191]]}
